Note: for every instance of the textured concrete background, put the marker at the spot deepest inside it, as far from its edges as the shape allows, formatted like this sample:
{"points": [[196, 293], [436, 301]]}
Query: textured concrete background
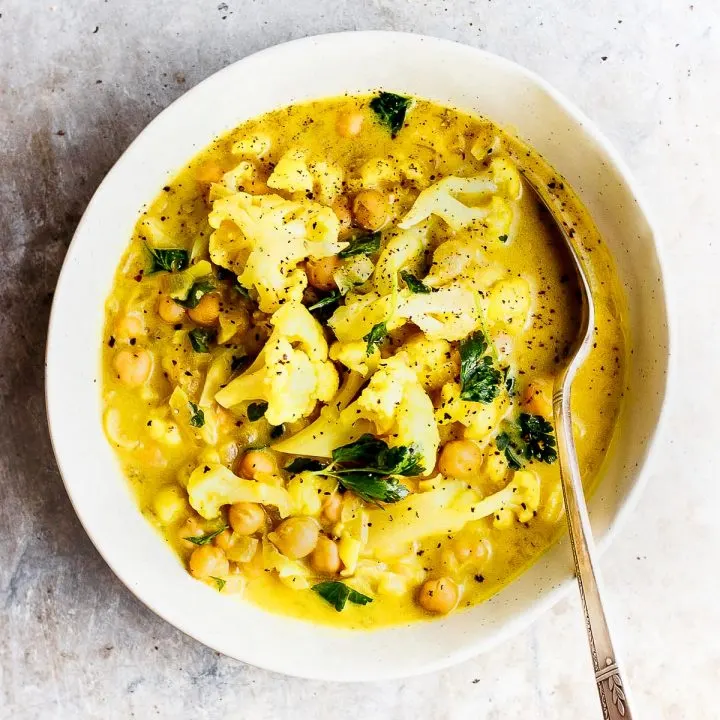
{"points": [[78, 80]]}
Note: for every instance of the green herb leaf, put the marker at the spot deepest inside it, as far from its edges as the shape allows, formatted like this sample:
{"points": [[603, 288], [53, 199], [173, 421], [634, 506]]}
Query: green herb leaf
{"points": [[529, 438], [503, 238], [372, 486], [401, 460], [197, 416], [479, 378], [365, 450], [219, 582], [277, 431], [241, 289], [414, 284], [338, 594], [391, 110], [169, 260], [509, 381], [256, 410], [200, 288], [200, 339], [366, 244], [205, 539], [375, 337], [331, 299], [303, 464], [537, 433]]}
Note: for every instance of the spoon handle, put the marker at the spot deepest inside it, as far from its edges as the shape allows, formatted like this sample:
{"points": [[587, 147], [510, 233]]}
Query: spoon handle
{"points": [[610, 682]]}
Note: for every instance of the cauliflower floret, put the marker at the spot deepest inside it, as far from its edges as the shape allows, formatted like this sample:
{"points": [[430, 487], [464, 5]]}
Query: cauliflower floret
{"points": [[450, 313], [384, 172], [399, 408], [354, 271], [508, 305], [353, 355], [263, 238], [291, 380], [433, 361], [211, 486], [480, 419], [405, 248], [446, 510], [507, 178], [308, 492], [452, 259], [294, 174], [439, 199]]}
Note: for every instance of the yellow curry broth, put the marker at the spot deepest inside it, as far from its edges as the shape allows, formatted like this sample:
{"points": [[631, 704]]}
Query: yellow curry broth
{"points": [[159, 448]]}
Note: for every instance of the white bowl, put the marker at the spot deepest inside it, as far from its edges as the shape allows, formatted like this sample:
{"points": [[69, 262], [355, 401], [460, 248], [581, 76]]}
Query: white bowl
{"points": [[312, 68]]}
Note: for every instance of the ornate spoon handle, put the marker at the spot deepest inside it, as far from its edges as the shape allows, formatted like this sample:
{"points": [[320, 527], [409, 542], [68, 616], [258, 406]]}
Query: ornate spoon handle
{"points": [[610, 683]]}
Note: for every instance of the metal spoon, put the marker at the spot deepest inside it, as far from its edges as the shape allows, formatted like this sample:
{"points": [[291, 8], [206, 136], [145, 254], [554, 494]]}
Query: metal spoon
{"points": [[559, 201]]}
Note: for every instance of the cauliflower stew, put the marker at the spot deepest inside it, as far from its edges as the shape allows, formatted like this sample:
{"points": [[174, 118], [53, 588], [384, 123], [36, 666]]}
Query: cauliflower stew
{"points": [[329, 354]]}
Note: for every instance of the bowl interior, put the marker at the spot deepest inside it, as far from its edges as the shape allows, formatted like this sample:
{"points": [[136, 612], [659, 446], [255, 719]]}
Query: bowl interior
{"points": [[308, 69]]}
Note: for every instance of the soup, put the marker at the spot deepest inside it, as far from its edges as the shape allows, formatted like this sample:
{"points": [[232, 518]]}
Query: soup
{"points": [[329, 355]]}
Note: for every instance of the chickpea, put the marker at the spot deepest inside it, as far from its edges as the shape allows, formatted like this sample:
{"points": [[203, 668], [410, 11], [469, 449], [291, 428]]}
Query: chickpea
{"points": [[209, 561], [349, 124], [254, 462], [246, 518], [341, 207], [332, 507], [371, 209], [471, 548], [438, 596], [537, 398], [133, 366], [320, 272], [325, 558], [297, 537], [207, 311], [460, 459], [224, 540], [170, 311], [129, 326]]}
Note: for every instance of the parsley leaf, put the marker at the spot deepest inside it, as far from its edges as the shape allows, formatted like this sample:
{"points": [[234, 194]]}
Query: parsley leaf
{"points": [[324, 302], [219, 582], [375, 337], [200, 339], [197, 416], [169, 260], [415, 285], [364, 450], [529, 438], [205, 539], [479, 378], [503, 238], [390, 109], [372, 486], [366, 244], [256, 410], [200, 288], [303, 464], [338, 594]]}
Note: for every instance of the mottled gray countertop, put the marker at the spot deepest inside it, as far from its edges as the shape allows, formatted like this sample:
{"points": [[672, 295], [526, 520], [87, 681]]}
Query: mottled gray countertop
{"points": [[78, 80]]}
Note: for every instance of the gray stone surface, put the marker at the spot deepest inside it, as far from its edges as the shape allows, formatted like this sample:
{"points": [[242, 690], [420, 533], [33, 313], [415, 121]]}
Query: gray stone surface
{"points": [[78, 80]]}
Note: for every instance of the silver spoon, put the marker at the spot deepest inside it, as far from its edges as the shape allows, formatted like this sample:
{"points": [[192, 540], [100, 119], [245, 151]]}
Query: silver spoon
{"points": [[558, 200]]}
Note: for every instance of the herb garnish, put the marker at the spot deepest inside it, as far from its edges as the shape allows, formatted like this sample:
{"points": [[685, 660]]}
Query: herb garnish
{"points": [[479, 378], [503, 238], [391, 109], [200, 339], [326, 305], [367, 467], [303, 464], [169, 260], [256, 410], [241, 289], [205, 539], [529, 438], [375, 337], [197, 416], [219, 582], [338, 594], [414, 285], [200, 288], [366, 244]]}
